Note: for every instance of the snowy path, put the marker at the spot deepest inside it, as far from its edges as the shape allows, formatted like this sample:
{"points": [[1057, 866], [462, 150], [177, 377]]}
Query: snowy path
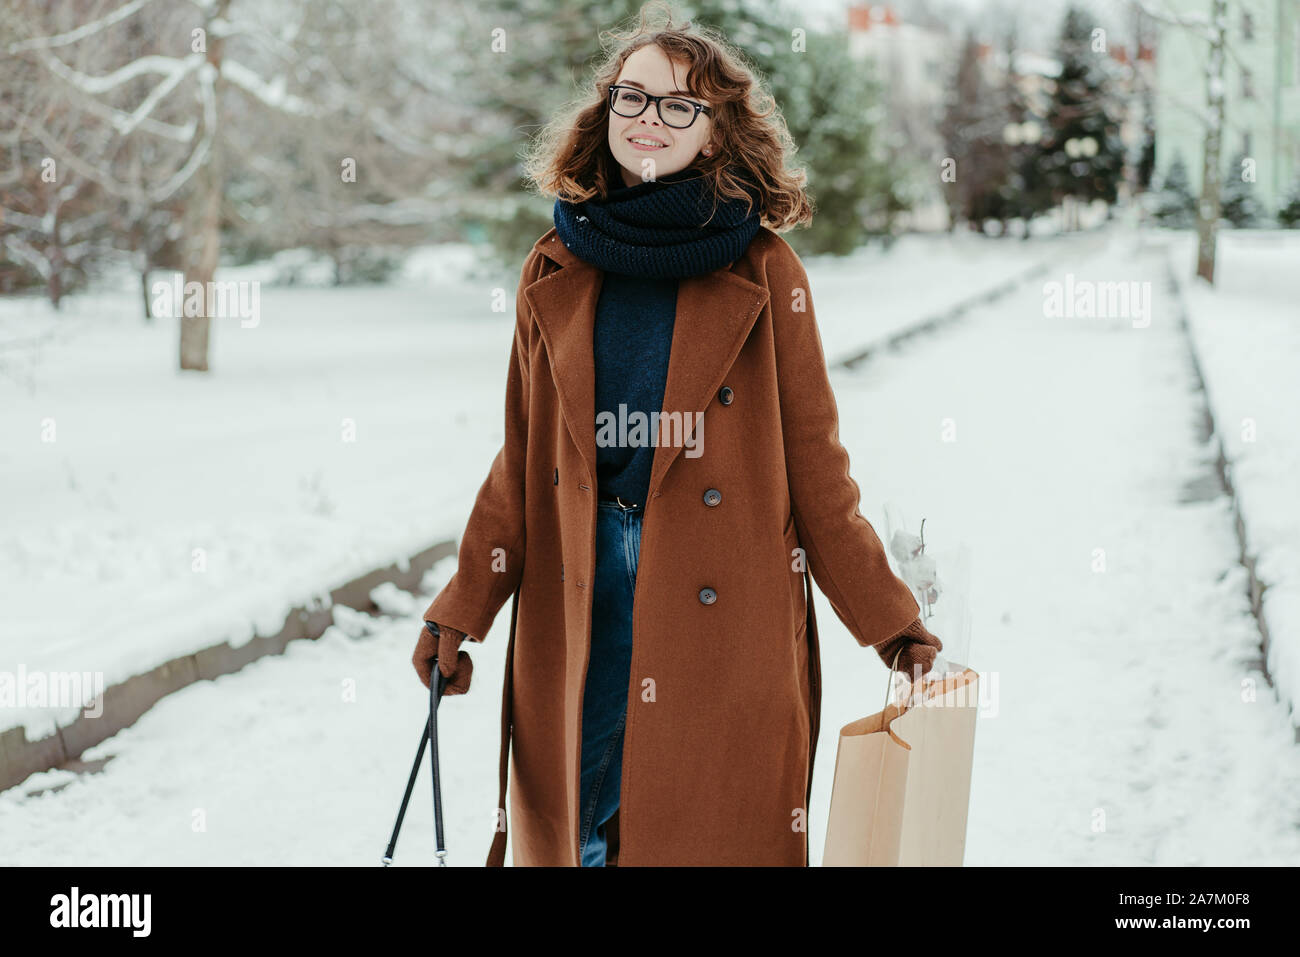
{"points": [[1121, 735], [349, 429], [1119, 693]]}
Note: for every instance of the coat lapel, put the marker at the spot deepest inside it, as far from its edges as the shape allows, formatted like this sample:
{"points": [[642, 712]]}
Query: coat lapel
{"points": [[715, 314], [564, 302]]}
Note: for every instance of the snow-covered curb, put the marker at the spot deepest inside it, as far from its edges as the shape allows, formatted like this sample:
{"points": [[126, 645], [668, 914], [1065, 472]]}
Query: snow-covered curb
{"points": [[1236, 330], [1074, 244], [124, 703]]}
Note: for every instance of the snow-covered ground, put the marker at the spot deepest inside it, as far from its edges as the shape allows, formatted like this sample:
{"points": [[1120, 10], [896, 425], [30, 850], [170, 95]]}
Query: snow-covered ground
{"points": [[156, 513], [1115, 729], [864, 298], [1247, 333], [348, 429]]}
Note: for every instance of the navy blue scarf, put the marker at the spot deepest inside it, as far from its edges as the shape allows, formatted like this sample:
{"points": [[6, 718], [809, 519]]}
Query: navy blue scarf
{"points": [[659, 229]]}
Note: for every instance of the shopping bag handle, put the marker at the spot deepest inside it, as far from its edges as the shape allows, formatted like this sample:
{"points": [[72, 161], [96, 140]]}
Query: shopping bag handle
{"points": [[428, 734], [889, 682]]}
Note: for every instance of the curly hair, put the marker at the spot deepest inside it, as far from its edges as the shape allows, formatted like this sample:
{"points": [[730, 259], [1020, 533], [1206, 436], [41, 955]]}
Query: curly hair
{"points": [[570, 158]]}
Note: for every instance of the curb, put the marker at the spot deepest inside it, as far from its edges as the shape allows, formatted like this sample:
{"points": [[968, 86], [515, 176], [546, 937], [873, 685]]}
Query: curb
{"points": [[125, 702], [936, 321], [1223, 469]]}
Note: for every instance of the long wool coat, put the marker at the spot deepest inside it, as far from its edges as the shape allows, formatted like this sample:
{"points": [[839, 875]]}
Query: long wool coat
{"points": [[724, 694]]}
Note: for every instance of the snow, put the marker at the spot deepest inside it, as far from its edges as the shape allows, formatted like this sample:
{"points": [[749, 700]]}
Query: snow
{"points": [[871, 295], [85, 30], [251, 464], [1115, 730], [173, 68], [271, 93], [1248, 340]]}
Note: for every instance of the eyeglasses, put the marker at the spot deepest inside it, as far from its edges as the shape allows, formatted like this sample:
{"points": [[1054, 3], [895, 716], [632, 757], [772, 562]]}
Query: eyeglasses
{"points": [[628, 101]]}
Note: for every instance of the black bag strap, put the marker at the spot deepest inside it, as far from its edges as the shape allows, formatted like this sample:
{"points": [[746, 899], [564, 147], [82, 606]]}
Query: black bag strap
{"points": [[428, 734]]}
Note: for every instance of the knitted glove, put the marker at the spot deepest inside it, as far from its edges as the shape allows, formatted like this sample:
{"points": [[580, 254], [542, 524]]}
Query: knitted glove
{"points": [[920, 648], [454, 664]]}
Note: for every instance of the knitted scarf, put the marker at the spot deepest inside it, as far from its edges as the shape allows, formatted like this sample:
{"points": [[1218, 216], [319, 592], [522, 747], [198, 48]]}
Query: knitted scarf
{"points": [[658, 229]]}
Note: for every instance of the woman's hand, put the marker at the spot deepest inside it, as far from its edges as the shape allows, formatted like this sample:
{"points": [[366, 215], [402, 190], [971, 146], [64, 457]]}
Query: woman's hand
{"points": [[919, 649], [454, 664]]}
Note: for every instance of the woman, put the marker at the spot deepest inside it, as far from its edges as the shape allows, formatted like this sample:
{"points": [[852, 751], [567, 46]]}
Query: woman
{"points": [[663, 301]]}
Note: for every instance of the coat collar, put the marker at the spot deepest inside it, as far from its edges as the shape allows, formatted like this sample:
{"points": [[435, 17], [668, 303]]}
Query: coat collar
{"points": [[715, 314]]}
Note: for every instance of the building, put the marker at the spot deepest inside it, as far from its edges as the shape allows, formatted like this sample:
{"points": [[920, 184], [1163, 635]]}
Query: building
{"points": [[913, 65], [1261, 90]]}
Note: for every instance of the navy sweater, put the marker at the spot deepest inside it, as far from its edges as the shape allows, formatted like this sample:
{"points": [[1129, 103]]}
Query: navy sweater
{"points": [[633, 336]]}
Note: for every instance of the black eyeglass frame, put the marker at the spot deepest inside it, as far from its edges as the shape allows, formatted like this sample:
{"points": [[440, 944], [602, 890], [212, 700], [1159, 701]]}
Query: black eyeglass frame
{"points": [[699, 107]]}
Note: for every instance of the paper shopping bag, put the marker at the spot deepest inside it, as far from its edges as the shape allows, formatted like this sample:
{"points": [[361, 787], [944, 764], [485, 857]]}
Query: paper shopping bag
{"points": [[902, 780]]}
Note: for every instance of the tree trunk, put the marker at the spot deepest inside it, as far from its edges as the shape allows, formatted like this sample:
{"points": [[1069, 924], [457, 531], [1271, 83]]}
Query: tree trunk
{"points": [[54, 255], [202, 267], [144, 292], [1208, 210], [54, 285]]}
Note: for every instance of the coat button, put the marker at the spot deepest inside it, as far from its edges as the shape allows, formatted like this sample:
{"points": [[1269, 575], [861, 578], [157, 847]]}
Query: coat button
{"points": [[708, 596], [725, 395], [712, 497]]}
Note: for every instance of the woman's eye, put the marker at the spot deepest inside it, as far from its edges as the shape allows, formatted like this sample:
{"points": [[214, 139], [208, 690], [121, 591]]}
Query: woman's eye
{"points": [[628, 97], [677, 106]]}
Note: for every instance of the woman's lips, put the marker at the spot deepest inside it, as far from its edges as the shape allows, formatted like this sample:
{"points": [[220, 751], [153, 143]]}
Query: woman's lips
{"points": [[644, 146]]}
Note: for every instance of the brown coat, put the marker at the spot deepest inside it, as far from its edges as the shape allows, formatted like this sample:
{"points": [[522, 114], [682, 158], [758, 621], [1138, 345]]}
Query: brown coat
{"points": [[725, 694]]}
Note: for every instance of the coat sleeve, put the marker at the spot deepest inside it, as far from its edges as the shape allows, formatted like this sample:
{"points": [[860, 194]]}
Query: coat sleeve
{"points": [[845, 556], [490, 561]]}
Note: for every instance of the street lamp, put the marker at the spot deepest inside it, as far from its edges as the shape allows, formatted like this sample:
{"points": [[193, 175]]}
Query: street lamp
{"points": [[1027, 132], [1074, 148]]}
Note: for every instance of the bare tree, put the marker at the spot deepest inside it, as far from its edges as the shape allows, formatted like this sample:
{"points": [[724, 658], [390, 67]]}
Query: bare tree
{"points": [[52, 217], [227, 112], [1213, 30], [1208, 210]]}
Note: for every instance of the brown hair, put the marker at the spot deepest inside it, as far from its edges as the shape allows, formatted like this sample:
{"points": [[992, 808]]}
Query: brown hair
{"points": [[570, 158]]}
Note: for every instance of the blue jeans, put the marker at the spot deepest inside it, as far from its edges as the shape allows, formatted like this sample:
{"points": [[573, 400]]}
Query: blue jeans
{"points": [[604, 704]]}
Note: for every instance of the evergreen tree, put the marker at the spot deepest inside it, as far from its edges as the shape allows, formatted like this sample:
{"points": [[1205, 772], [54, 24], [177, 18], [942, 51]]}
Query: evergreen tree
{"points": [[1146, 165], [524, 59], [973, 126], [1083, 156], [1289, 215], [827, 100], [1240, 205], [1029, 191], [1175, 206]]}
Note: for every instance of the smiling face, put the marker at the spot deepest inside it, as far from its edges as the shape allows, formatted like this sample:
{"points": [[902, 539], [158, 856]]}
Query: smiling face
{"points": [[645, 143]]}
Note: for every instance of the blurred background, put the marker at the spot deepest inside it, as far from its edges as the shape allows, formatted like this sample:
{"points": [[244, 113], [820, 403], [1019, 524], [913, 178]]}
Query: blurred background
{"points": [[180, 498], [356, 132]]}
